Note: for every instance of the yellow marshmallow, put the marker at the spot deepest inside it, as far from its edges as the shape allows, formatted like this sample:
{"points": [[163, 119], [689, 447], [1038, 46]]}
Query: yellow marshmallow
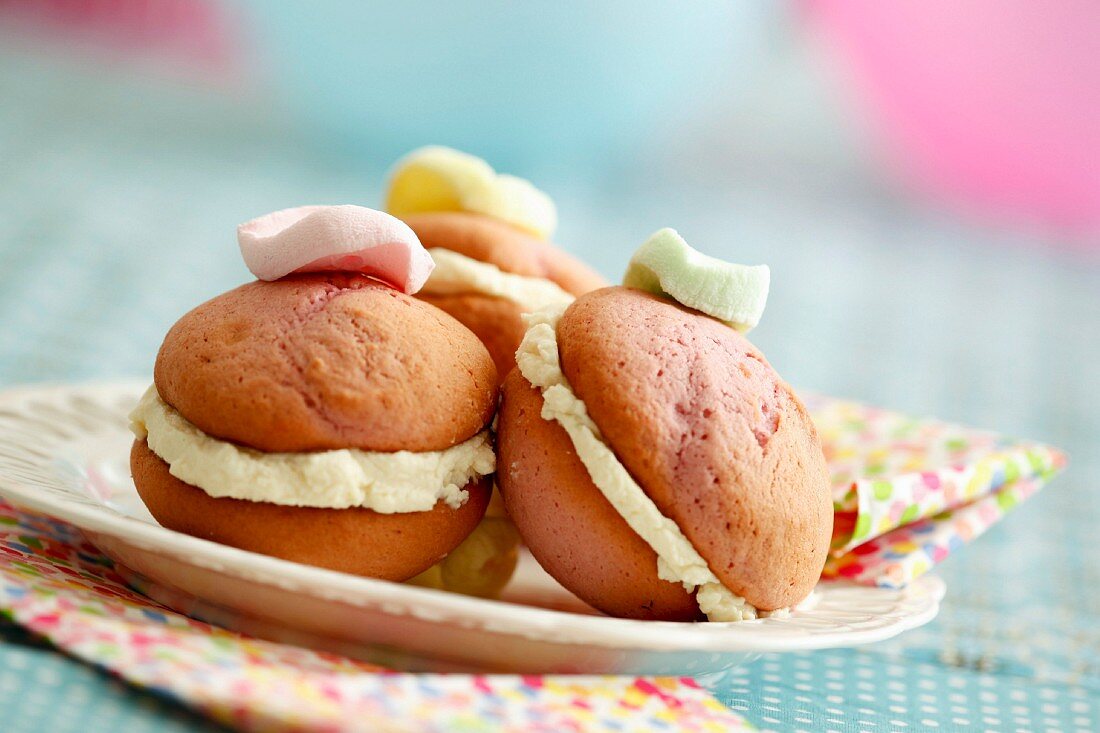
{"points": [[437, 178]]}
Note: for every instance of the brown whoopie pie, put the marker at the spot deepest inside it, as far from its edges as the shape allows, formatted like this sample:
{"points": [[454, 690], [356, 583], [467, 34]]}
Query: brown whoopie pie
{"points": [[709, 431], [320, 362]]}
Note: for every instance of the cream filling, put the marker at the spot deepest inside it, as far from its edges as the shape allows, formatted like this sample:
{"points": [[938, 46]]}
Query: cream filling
{"points": [[456, 273], [677, 560], [388, 483]]}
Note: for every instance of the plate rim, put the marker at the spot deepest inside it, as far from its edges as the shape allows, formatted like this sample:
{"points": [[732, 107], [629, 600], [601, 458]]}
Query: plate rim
{"points": [[532, 623]]}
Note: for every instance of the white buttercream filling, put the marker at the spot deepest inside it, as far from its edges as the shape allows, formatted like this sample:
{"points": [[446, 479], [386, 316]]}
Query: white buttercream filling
{"points": [[402, 481], [677, 560], [456, 273]]}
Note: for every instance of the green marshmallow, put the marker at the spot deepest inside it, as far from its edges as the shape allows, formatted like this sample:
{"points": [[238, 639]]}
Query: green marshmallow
{"points": [[666, 265]]}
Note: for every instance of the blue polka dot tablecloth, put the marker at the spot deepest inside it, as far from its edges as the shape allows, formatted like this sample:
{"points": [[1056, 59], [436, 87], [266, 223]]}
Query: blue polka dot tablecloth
{"points": [[41, 690], [116, 217]]}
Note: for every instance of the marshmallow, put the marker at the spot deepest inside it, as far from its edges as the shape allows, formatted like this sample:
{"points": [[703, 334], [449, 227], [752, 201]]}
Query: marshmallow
{"points": [[666, 265], [335, 238], [436, 178]]}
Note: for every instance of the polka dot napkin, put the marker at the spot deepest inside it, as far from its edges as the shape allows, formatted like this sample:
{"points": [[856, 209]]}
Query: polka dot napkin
{"points": [[910, 491]]}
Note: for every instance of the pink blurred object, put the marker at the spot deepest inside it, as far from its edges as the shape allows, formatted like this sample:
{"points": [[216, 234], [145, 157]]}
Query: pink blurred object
{"points": [[185, 37], [991, 103], [335, 238]]}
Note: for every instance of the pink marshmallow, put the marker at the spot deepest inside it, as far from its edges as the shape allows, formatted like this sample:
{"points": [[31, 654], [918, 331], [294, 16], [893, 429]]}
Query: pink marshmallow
{"points": [[342, 238]]}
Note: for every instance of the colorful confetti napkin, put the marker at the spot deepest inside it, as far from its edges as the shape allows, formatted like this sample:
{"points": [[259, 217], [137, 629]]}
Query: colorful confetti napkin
{"points": [[909, 491], [57, 585]]}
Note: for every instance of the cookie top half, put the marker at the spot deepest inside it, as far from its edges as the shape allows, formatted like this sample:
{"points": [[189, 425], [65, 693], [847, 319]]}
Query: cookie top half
{"points": [[326, 361], [710, 432]]}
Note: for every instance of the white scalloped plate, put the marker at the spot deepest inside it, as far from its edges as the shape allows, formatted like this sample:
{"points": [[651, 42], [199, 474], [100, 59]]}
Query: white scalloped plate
{"points": [[64, 452]]}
